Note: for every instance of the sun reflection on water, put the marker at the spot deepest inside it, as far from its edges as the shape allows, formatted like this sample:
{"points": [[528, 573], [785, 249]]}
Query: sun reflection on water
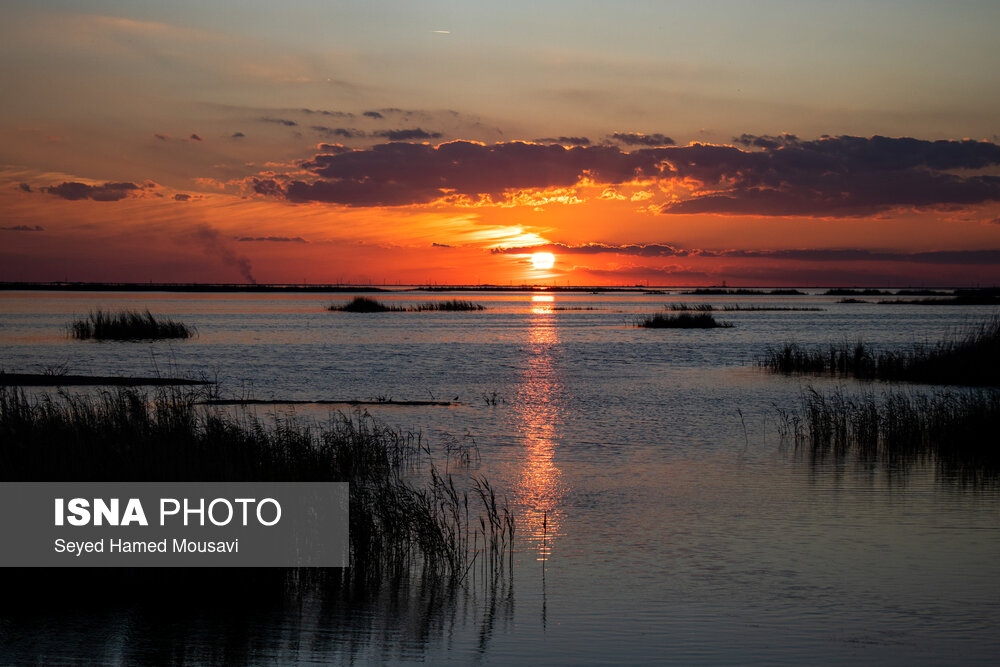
{"points": [[539, 490]]}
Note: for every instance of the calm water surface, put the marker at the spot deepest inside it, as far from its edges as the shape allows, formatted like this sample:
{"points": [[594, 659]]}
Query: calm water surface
{"points": [[677, 527]]}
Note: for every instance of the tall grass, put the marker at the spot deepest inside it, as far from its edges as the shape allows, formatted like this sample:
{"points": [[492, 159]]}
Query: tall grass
{"points": [[971, 359], [734, 307], [127, 325], [451, 305], [701, 320], [955, 430], [363, 304], [127, 435]]}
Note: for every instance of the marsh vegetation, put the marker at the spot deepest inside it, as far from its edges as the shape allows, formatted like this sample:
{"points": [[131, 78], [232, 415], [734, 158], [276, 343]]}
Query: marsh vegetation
{"points": [[971, 358], [952, 429], [404, 512], [735, 307], [127, 325], [363, 304], [698, 320]]}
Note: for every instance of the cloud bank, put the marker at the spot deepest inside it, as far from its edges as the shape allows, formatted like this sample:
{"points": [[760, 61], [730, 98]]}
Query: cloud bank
{"points": [[760, 176]]}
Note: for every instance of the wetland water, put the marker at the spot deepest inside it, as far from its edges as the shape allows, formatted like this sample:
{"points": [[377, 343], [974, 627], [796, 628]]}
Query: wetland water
{"points": [[660, 518]]}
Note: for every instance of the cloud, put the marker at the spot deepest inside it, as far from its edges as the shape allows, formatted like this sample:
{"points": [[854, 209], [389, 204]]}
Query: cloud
{"points": [[833, 176], [337, 132], [274, 239], [639, 139], [440, 245], [23, 228], [280, 121], [195, 137], [332, 148], [238, 135], [984, 256], [643, 250], [182, 197], [565, 141], [373, 114], [396, 174], [161, 137], [406, 135], [764, 176], [75, 191], [24, 187], [332, 114]]}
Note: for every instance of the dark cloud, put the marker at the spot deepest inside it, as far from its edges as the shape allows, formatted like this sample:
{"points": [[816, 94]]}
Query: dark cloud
{"points": [[75, 191], [332, 148], [765, 141], [194, 137], [182, 197], [274, 239], [861, 255], [373, 114], [238, 135], [643, 250], [770, 176], [24, 187], [23, 228], [397, 174], [407, 135], [990, 256], [565, 141], [161, 137], [639, 139], [833, 176], [337, 132], [440, 245], [280, 121], [267, 186], [331, 114]]}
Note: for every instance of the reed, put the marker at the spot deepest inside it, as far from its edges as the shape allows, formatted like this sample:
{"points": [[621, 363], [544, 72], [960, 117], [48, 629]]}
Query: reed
{"points": [[701, 320], [691, 307], [953, 429], [971, 359], [363, 304], [454, 305], [127, 325], [849, 291], [734, 307], [396, 523]]}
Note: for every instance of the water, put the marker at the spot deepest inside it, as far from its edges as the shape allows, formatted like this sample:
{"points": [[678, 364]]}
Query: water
{"points": [[677, 528]]}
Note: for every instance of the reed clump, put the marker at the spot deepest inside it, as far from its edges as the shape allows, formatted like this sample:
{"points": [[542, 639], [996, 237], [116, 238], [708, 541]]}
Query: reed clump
{"points": [[684, 320], [954, 429], [396, 523], [453, 305], [363, 304], [970, 359], [734, 307], [127, 325]]}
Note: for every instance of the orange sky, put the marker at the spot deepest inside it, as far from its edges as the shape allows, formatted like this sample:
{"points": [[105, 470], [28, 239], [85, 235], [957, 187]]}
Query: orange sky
{"points": [[142, 144]]}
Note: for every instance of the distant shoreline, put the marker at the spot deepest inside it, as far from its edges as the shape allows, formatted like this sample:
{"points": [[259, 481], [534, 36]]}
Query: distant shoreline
{"points": [[335, 288]]}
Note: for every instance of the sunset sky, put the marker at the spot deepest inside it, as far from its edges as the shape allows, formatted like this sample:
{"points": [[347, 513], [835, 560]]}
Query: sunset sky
{"points": [[668, 143]]}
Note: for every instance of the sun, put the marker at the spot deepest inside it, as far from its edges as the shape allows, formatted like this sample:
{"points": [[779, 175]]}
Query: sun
{"points": [[543, 260]]}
